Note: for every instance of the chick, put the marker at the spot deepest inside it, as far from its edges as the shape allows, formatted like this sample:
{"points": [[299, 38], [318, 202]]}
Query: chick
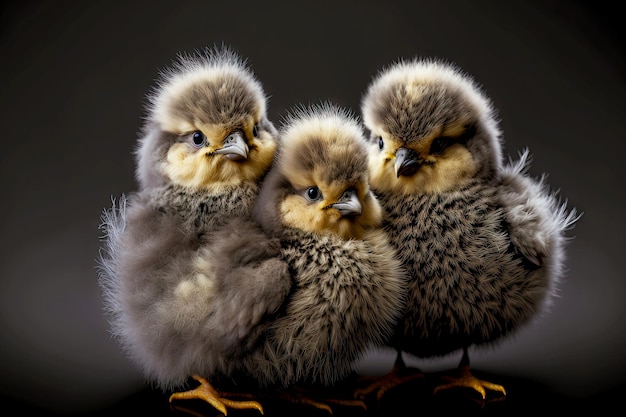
{"points": [[348, 286], [174, 301], [482, 241], [207, 140]]}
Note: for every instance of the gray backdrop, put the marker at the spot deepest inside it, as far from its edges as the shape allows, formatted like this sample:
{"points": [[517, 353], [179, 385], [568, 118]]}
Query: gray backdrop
{"points": [[74, 76]]}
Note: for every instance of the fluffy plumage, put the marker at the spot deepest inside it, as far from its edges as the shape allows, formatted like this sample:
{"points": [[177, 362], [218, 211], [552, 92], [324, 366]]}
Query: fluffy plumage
{"points": [[348, 287], [482, 241], [176, 300]]}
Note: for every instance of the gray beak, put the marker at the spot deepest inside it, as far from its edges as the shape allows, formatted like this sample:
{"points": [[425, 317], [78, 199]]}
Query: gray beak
{"points": [[348, 204], [406, 162], [234, 148]]}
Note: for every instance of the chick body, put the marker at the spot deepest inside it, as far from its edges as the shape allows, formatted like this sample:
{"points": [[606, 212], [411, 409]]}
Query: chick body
{"points": [[482, 241], [347, 285], [180, 288]]}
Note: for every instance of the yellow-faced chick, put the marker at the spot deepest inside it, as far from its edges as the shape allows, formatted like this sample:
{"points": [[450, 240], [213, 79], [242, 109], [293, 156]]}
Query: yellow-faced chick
{"points": [[176, 300], [206, 142], [323, 187], [482, 242]]}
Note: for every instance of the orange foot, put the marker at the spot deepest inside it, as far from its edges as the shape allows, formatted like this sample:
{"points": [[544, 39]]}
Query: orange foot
{"points": [[464, 378], [299, 395], [399, 374], [468, 380], [206, 392]]}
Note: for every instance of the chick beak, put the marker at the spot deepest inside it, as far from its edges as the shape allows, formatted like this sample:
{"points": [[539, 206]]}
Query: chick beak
{"points": [[348, 204], [406, 162], [234, 148]]}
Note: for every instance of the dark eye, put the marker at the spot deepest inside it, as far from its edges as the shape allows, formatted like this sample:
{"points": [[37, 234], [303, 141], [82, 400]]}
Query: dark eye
{"points": [[198, 139], [255, 131], [313, 194], [381, 143], [438, 146]]}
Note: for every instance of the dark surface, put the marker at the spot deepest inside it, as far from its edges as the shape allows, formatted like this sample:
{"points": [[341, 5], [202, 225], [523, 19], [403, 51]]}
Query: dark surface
{"points": [[524, 397]]}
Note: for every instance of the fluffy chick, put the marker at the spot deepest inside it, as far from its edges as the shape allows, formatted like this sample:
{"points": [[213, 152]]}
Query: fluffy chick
{"points": [[206, 137], [348, 286], [175, 301], [483, 242]]}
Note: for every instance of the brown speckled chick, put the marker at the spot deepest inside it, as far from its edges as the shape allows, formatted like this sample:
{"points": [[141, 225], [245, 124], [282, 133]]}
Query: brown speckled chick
{"points": [[348, 286], [178, 303], [483, 242]]}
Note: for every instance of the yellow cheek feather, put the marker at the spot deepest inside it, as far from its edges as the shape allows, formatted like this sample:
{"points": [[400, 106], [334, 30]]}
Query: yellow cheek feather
{"points": [[299, 214], [262, 153], [382, 174], [317, 218], [193, 167], [203, 169], [447, 172], [453, 170]]}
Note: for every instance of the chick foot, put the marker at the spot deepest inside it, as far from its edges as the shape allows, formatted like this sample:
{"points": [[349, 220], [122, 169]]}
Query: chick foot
{"points": [[300, 395], [399, 374], [466, 379], [206, 392]]}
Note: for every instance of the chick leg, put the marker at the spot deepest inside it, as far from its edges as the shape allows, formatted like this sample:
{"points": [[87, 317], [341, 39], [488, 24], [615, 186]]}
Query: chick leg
{"points": [[466, 379], [398, 375], [206, 392]]}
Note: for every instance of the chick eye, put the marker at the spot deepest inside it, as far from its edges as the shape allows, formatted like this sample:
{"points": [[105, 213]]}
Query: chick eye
{"points": [[313, 194], [198, 139], [381, 143], [438, 146], [255, 131]]}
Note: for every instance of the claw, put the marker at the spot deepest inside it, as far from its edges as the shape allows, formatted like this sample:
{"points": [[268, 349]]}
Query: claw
{"points": [[206, 392]]}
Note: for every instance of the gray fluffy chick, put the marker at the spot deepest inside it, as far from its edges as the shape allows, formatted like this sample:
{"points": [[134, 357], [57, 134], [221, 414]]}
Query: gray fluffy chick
{"points": [[482, 241], [348, 285], [179, 303]]}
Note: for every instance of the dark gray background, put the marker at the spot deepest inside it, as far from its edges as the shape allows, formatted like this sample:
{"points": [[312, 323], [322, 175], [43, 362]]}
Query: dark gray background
{"points": [[74, 76]]}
